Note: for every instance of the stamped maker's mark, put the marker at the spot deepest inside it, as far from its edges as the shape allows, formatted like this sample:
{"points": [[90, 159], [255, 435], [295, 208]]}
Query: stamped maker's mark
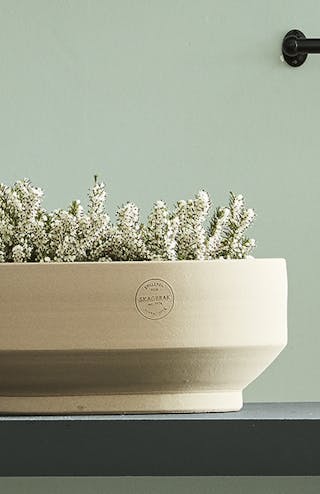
{"points": [[154, 299]]}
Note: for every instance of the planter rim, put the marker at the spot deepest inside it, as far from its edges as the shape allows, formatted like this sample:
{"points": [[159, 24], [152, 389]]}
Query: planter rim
{"points": [[144, 263]]}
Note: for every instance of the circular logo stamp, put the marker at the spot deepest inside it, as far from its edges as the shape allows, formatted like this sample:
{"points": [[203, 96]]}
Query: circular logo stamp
{"points": [[154, 299]]}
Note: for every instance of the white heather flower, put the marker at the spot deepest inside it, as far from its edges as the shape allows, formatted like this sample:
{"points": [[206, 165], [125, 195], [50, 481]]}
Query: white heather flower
{"points": [[217, 231], [245, 221], [191, 237], [235, 245], [97, 199], [236, 206], [202, 203], [20, 214], [246, 248], [98, 229], [127, 239], [66, 240], [18, 253], [160, 232]]}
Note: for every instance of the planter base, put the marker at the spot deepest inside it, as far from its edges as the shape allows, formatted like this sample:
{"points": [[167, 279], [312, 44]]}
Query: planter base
{"points": [[218, 401]]}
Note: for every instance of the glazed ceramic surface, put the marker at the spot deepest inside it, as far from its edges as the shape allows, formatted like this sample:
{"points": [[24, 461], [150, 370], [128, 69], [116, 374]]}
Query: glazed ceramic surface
{"points": [[137, 336]]}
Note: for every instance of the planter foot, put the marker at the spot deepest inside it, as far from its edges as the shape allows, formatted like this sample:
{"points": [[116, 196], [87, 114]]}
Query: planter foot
{"points": [[217, 401]]}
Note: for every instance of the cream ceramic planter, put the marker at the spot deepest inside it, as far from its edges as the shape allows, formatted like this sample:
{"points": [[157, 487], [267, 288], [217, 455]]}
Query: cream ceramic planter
{"points": [[137, 336]]}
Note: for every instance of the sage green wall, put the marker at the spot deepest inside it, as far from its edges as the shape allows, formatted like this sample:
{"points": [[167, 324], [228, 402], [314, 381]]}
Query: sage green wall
{"points": [[161, 98], [158, 485]]}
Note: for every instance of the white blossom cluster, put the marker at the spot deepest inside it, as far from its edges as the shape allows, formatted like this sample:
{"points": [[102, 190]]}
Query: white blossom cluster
{"points": [[160, 233], [235, 245], [126, 237], [191, 237], [28, 233], [22, 223]]}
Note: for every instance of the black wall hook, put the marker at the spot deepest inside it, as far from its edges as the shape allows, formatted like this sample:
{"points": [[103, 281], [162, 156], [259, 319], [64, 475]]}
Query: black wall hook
{"points": [[295, 47]]}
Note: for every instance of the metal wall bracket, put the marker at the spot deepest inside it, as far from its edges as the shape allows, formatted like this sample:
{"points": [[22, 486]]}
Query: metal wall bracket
{"points": [[296, 47]]}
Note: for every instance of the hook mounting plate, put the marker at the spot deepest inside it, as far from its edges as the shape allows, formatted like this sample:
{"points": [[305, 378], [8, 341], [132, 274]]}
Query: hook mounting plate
{"points": [[299, 58]]}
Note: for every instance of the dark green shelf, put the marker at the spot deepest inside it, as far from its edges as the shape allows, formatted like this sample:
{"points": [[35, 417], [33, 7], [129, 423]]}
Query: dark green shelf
{"points": [[261, 439]]}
